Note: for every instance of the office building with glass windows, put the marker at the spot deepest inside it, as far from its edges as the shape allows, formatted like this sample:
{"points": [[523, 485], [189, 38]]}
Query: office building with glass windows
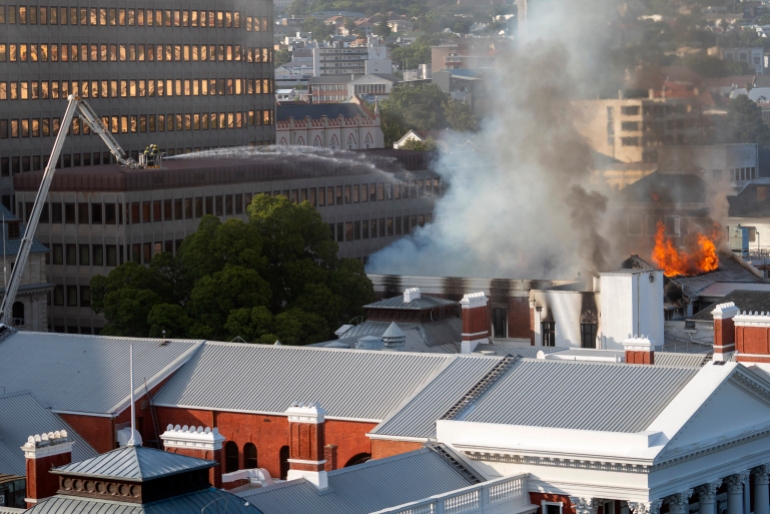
{"points": [[183, 75]]}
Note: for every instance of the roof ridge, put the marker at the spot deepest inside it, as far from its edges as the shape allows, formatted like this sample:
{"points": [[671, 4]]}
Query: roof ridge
{"points": [[23, 392], [379, 462], [326, 349], [96, 336], [600, 363]]}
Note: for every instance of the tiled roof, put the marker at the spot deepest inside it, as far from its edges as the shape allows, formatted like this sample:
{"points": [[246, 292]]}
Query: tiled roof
{"points": [[352, 384], [21, 416], [369, 487], [86, 374], [192, 503], [580, 395], [758, 301], [317, 111], [134, 464]]}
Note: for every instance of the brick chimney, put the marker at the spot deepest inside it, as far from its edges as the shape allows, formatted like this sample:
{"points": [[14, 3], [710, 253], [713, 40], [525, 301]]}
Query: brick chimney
{"points": [[476, 323], [330, 455], [198, 442], [306, 443], [752, 330], [639, 350], [44, 452], [724, 330]]}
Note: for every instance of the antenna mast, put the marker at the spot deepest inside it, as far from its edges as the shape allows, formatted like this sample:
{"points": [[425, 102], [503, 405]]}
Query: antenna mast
{"points": [[131, 441]]}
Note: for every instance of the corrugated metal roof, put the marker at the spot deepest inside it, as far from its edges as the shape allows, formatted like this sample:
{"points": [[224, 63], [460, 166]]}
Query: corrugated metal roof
{"points": [[356, 384], [183, 504], [441, 336], [82, 373], [417, 418], [11, 246], [369, 487], [22, 416], [692, 360], [135, 464], [423, 302], [580, 395], [526, 352]]}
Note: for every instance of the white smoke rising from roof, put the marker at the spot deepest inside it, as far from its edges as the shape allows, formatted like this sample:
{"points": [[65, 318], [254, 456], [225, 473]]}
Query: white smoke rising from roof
{"points": [[520, 202]]}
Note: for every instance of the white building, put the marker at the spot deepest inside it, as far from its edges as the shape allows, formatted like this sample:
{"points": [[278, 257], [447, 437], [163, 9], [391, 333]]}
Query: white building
{"points": [[346, 60], [754, 57], [372, 85]]}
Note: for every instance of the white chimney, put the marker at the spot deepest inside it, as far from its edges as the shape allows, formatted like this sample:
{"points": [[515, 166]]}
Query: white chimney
{"points": [[412, 293]]}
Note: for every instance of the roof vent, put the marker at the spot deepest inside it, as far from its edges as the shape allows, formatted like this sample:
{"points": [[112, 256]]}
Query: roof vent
{"points": [[394, 337], [369, 343], [411, 294]]}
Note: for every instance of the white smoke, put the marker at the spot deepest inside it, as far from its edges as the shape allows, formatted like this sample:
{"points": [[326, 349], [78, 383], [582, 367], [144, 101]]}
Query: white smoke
{"points": [[519, 202]]}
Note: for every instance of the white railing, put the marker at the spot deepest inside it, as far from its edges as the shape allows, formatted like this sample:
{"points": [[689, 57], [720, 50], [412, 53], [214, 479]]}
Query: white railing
{"points": [[468, 499]]}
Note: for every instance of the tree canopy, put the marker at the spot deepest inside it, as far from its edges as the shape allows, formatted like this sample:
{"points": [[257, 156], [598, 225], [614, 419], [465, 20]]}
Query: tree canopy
{"points": [[276, 276], [743, 124]]}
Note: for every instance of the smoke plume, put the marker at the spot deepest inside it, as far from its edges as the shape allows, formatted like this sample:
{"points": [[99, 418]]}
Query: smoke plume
{"points": [[520, 201]]}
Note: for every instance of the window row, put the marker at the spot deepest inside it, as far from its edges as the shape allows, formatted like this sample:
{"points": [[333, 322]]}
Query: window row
{"points": [[103, 52], [55, 89], [139, 123], [71, 298], [381, 227], [27, 163], [587, 334], [93, 16]]}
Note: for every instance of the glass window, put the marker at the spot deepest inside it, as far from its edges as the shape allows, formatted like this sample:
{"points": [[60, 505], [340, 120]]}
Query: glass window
{"points": [[72, 296], [69, 213], [71, 253], [58, 253], [85, 255], [548, 329]]}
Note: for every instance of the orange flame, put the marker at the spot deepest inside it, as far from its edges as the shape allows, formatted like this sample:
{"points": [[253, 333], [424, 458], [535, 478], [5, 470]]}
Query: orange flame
{"points": [[700, 258]]}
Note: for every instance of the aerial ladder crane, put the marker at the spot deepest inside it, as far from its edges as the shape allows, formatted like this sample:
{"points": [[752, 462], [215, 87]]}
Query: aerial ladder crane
{"points": [[151, 158]]}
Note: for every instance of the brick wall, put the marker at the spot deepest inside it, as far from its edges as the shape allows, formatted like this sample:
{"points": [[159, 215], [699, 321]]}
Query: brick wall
{"points": [[538, 498], [752, 341], [383, 448], [215, 477], [520, 318], [270, 433], [41, 483], [98, 432]]}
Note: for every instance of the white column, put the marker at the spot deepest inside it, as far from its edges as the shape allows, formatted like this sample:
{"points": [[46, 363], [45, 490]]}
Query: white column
{"points": [[584, 505], [678, 503], [707, 496], [734, 485], [761, 493], [652, 507]]}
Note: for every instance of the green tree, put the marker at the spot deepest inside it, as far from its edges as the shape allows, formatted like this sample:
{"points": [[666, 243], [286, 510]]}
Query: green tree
{"points": [[281, 57], [419, 52], [297, 8], [275, 277], [743, 123], [428, 145], [319, 29], [459, 116], [382, 29]]}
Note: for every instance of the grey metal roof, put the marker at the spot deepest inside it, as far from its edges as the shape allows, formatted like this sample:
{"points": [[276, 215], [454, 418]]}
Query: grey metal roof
{"points": [[194, 503], [745, 300], [134, 464], [580, 395], [423, 302], [393, 331], [317, 111], [369, 487], [11, 246], [21, 416], [417, 417], [529, 352], [82, 373], [693, 360], [441, 336], [355, 384], [730, 270]]}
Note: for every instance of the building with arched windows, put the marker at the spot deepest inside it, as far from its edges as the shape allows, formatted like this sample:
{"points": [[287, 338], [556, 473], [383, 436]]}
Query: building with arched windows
{"points": [[346, 126]]}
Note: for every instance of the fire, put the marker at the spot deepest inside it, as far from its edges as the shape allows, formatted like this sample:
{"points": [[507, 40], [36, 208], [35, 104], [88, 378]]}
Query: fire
{"points": [[701, 257]]}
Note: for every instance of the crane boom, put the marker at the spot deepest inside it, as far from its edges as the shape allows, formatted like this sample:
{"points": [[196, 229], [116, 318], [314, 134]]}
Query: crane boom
{"points": [[88, 115]]}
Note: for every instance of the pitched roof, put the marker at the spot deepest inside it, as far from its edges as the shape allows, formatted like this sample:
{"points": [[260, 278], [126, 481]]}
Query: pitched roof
{"points": [[369, 487], [11, 246], [746, 204], [442, 336], [351, 384], [316, 111], [423, 302], [758, 301], [86, 374], [658, 187], [184, 504], [417, 417], [134, 464], [579, 395], [730, 270], [21, 416]]}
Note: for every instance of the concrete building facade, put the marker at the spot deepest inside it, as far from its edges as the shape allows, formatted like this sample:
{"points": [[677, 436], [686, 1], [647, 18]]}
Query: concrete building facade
{"points": [[361, 60], [97, 218], [182, 75]]}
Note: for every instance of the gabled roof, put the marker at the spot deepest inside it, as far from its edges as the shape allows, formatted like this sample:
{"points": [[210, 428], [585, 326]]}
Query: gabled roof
{"points": [[21, 416], [658, 187], [369, 487], [317, 111], [746, 203], [11, 246], [86, 374], [350, 384], [134, 464], [579, 395], [194, 503], [754, 301]]}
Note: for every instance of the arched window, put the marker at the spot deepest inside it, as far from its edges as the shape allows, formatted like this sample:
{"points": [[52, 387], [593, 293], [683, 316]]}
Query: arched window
{"points": [[284, 456], [335, 142], [231, 457], [368, 142], [317, 141], [18, 313], [358, 459], [351, 142], [249, 456], [301, 141], [283, 142]]}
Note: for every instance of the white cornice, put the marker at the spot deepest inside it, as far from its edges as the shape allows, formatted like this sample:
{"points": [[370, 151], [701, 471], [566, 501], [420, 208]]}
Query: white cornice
{"points": [[578, 463]]}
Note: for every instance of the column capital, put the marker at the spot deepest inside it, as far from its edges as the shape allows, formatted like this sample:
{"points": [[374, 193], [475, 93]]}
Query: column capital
{"points": [[707, 492], [652, 507], [584, 505], [678, 499], [761, 474], [735, 482]]}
